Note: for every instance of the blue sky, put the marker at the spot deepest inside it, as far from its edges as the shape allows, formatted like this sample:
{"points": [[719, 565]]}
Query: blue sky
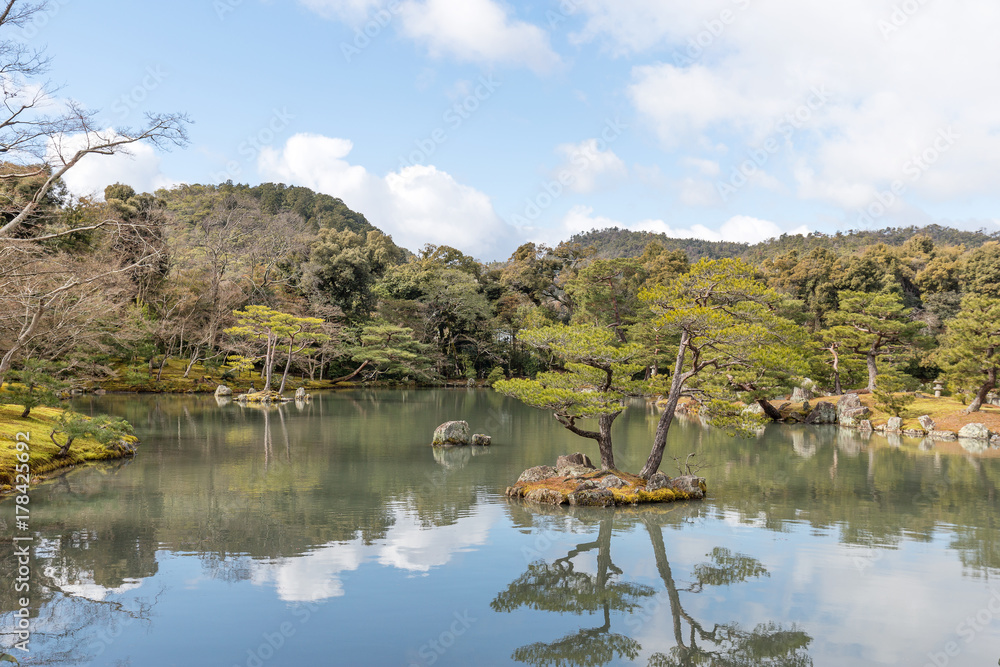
{"points": [[483, 124]]}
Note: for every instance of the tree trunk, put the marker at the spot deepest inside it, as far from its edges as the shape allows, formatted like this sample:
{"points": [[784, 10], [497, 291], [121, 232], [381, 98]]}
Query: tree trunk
{"points": [[604, 442], [288, 363], [872, 369], [269, 362], [769, 410], [162, 364], [660, 439], [352, 375], [194, 359], [984, 390]]}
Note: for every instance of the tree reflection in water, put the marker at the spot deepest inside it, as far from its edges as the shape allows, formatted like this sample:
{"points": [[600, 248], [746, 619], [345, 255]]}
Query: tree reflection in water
{"points": [[559, 587]]}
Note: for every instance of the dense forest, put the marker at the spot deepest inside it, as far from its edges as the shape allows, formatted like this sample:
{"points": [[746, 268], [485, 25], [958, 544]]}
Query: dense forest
{"points": [[238, 277]]}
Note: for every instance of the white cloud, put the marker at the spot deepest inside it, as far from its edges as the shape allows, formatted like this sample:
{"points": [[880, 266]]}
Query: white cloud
{"points": [[894, 82], [477, 31], [139, 167], [740, 228], [416, 205], [585, 164]]}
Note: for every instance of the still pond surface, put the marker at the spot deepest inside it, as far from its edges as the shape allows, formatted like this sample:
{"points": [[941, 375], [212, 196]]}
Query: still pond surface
{"points": [[331, 533]]}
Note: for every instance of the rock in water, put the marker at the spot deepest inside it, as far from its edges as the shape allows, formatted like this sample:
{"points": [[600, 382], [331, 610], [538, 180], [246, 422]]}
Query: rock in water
{"points": [[854, 416], [452, 433], [300, 394], [223, 390], [894, 425], [657, 481], [480, 440], [927, 423], [943, 435], [847, 402], [577, 459], [975, 432], [595, 498], [823, 413], [546, 497], [612, 482], [690, 485], [537, 474]]}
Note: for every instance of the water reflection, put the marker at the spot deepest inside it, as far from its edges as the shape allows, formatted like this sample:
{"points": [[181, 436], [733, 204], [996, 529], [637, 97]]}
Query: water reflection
{"points": [[561, 587]]}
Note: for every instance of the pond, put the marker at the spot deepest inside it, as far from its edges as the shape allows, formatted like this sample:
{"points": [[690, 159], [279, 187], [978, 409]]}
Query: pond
{"points": [[331, 533]]}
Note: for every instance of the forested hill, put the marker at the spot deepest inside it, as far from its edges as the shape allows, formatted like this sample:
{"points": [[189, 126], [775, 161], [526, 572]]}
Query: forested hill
{"points": [[191, 203], [615, 242]]}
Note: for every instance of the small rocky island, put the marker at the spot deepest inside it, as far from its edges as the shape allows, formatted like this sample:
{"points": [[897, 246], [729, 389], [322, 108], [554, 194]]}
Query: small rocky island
{"points": [[575, 481], [458, 434]]}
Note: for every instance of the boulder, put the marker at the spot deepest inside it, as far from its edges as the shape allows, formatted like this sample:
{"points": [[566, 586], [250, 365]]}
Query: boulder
{"points": [[300, 394], [223, 390], [894, 425], [943, 435], [691, 486], [754, 409], [573, 471], [586, 485], [847, 402], [995, 441], [914, 432], [823, 413], [657, 481], [801, 394], [577, 459], [927, 423], [545, 497], [480, 440], [853, 416], [865, 426], [612, 482], [592, 498], [452, 433], [975, 432], [537, 474]]}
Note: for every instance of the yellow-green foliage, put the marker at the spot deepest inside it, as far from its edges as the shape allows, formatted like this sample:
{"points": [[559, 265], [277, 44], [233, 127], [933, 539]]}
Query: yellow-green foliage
{"points": [[42, 450], [633, 494]]}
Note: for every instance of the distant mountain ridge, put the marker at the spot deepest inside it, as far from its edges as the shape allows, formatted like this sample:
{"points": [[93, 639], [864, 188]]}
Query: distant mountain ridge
{"points": [[615, 242]]}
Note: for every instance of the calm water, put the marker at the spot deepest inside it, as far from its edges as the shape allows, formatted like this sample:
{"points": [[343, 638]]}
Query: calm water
{"points": [[332, 534]]}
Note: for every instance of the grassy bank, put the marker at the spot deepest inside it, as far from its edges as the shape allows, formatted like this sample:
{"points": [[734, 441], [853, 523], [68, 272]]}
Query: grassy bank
{"points": [[43, 460]]}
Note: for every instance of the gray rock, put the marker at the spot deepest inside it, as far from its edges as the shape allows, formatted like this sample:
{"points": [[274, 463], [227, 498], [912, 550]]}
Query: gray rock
{"points": [[800, 394], [612, 482], [102, 392], [753, 409], [865, 426], [823, 413], [927, 423], [975, 432], [586, 485], [573, 471], [894, 425], [690, 485], [995, 441], [545, 497], [594, 498], [300, 394], [537, 474], [806, 406], [847, 402], [452, 433], [914, 432], [853, 416], [480, 440], [943, 435], [577, 459], [223, 390], [657, 481]]}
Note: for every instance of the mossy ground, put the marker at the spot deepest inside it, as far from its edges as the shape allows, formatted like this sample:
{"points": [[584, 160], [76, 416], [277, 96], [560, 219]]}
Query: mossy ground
{"points": [[633, 494], [43, 460]]}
